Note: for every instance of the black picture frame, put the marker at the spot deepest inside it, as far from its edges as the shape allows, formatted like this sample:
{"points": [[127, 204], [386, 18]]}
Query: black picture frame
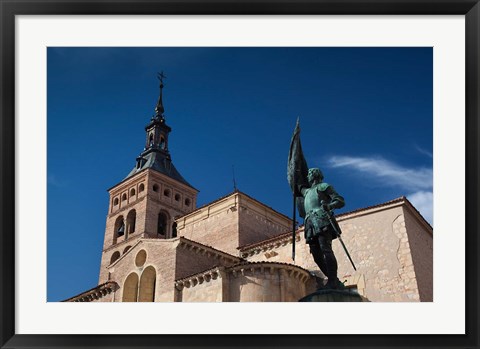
{"points": [[11, 8]]}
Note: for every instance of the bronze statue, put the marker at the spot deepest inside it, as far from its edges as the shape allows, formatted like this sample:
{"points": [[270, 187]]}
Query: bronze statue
{"points": [[319, 200], [315, 201]]}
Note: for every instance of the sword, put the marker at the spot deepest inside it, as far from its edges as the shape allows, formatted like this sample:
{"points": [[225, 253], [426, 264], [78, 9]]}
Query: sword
{"points": [[330, 219]]}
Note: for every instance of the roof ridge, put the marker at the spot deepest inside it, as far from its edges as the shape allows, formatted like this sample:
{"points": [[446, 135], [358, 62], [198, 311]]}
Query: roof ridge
{"points": [[272, 239], [183, 238], [366, 208]]}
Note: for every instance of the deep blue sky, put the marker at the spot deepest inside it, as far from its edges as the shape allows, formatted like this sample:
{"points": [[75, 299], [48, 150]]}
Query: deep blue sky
{"points": [[365, 115]]}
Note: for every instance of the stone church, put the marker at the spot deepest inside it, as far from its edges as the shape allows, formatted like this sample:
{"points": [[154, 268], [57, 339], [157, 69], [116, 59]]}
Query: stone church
{"points": [[160, 247]]}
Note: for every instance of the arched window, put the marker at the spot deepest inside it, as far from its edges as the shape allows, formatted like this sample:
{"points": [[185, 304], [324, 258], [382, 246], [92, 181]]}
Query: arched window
{"points": [[187, 202], [177, 197], [126, 249], [132, 192], [124, 197], [166, 192], [115, 256], [141, 188], [155, 188], [162, 143], [147, 285], [115, 202], [150, 140], [130, 288], [119, 229], [162, 224], [174, 230], [131, 218]]}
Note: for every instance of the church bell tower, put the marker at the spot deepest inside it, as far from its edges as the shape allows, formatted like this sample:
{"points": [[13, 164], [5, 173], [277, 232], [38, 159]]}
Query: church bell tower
{"points": [[146, 202]]}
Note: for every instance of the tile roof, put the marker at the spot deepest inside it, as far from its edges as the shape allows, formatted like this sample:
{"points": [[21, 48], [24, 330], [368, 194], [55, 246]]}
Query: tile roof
{"points": [[159, 162]]}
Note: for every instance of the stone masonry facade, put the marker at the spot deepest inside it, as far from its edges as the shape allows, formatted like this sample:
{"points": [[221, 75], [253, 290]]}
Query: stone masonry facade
{"points": [[142, 197], [381, 246], [390, 243]]}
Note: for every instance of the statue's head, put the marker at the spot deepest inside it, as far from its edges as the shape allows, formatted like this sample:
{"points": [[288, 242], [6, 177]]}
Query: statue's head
{"points": [[315, 174]]}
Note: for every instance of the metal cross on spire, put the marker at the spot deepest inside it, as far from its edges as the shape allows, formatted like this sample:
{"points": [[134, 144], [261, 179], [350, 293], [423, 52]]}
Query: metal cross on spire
{"points": [[159, 109], [161, 76]]}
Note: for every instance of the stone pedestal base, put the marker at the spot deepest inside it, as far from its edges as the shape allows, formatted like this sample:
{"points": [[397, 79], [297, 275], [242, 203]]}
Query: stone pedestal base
{"points": [[329, 295]]}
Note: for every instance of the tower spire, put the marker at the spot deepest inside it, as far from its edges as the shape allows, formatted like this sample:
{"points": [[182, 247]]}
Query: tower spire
{"points": [[155, 154], [159, 109]]}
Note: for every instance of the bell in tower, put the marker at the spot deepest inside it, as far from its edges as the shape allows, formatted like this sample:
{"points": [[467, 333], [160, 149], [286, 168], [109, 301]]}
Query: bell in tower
{"points": [[157, 130]]}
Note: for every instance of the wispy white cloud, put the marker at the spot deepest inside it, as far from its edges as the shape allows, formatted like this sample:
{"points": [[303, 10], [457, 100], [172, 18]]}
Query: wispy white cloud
{"points": [[386, 172], [424, 151], [416, 181], [423, 202]]}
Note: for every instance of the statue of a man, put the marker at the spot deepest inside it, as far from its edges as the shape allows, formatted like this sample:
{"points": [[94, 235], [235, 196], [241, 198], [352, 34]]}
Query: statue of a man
{"points": [[319, 199]]}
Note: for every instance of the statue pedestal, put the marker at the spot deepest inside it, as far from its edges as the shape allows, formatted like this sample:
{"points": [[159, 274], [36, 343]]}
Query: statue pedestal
{"points": [[330, 295]]}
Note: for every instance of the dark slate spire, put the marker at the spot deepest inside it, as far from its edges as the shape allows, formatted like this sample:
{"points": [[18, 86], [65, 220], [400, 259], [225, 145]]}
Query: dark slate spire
{"points": [[156, 155]]}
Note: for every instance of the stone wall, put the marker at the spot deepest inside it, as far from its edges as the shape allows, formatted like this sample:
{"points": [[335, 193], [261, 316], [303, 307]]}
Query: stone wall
{"points": [[118, 250], [420, 244], [391, 245], [232, 221], [143, 194], [170, 259], [160, 254], [136, 202], [379, 246], [258, 222], [193, 258], [272, 283], [215, 225], [168, 196]]}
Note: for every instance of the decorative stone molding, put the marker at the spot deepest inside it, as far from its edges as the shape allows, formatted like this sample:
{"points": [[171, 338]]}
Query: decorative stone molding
{"points": [[200, 278], [95, 293], [244, 269], [259, 268]]}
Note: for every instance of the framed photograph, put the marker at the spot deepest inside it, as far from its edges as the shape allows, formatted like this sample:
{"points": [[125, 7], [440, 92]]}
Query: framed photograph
{"points": [[205, 97]]}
